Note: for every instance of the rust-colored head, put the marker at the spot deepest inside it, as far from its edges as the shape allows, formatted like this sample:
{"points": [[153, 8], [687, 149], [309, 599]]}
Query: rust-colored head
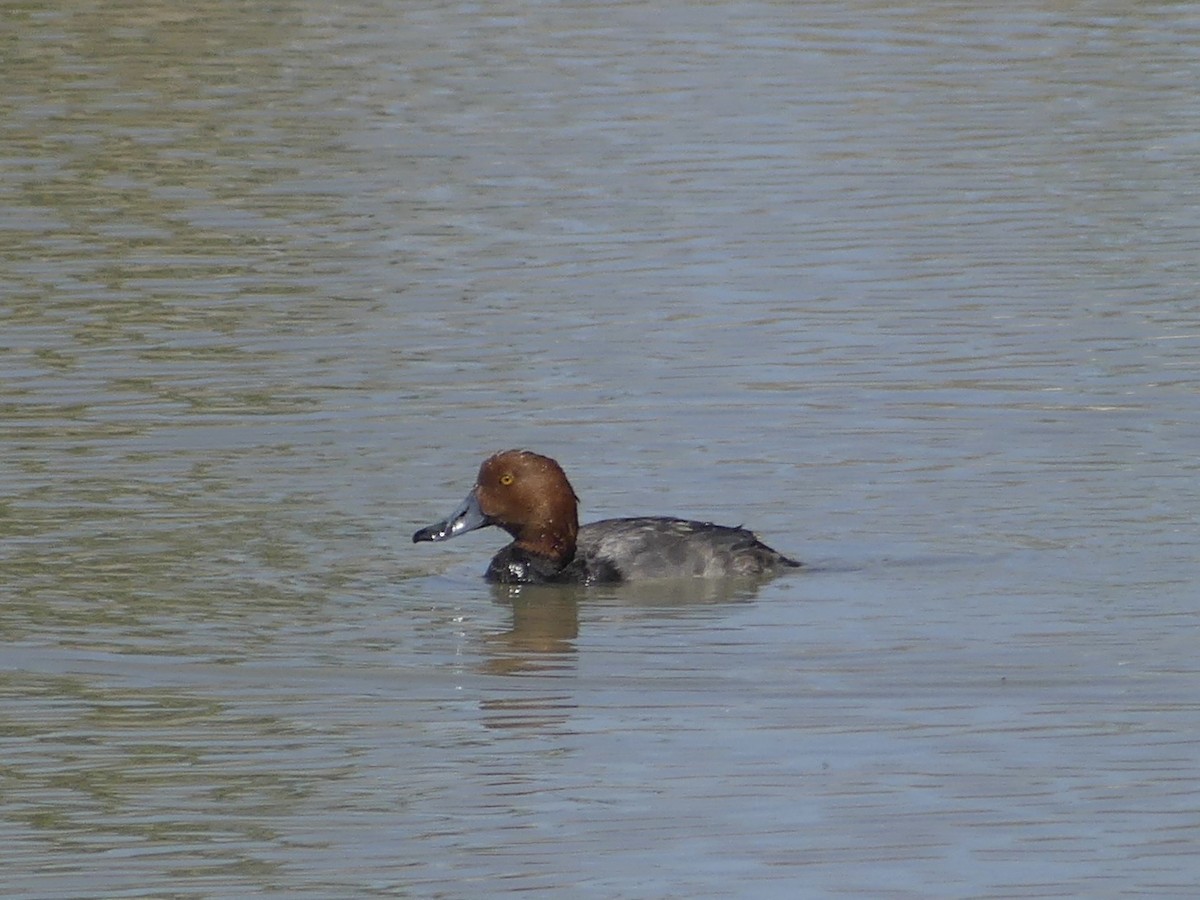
{"points": [[527, 495]]}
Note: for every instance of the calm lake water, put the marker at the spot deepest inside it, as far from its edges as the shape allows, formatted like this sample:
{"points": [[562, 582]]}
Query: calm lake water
{"points": [[912, 290]]}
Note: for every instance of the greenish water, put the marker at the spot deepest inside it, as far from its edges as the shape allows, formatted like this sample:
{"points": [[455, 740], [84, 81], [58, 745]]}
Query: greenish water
{"points": [[909, 290]]}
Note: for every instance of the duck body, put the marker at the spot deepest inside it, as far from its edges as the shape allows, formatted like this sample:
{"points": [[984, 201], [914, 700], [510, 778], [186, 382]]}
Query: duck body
{"points": [[530, 497]]}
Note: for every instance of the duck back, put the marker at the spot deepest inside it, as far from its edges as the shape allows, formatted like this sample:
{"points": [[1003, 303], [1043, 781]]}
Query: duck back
{"points": [[660, 547]]}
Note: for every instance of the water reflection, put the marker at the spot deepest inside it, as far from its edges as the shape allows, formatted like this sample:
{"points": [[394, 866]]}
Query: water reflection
{"points": [[545, 624], [678, 595], [545, 618]]}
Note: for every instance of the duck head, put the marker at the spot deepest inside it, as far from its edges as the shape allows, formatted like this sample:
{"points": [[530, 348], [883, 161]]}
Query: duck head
{"points": [[527, 495]]}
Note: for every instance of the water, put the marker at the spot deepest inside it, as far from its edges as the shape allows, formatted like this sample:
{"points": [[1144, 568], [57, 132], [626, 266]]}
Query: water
{"points": [[910, 290]]}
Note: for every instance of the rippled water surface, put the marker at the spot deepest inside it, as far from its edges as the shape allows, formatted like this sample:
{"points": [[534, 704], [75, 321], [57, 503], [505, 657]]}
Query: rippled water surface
{"points": [[911, 290]]}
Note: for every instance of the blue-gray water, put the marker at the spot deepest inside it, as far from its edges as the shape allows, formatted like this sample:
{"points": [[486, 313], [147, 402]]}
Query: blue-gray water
{"points": [[911, 290]]}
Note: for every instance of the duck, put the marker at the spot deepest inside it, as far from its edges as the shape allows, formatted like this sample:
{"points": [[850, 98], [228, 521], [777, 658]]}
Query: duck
{"points": [[528, 495]]}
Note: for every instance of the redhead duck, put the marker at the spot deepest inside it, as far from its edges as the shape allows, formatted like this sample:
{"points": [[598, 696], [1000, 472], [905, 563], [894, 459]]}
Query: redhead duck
{"points": [[529, 497]]}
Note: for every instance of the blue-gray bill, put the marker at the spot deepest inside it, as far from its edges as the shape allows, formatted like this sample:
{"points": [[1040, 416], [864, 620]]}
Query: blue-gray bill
{"points": [[466, 518]]}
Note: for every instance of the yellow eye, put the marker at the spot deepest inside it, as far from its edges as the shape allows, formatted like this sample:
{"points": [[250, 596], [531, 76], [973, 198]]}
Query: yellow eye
{"points": [[506, 479]]}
